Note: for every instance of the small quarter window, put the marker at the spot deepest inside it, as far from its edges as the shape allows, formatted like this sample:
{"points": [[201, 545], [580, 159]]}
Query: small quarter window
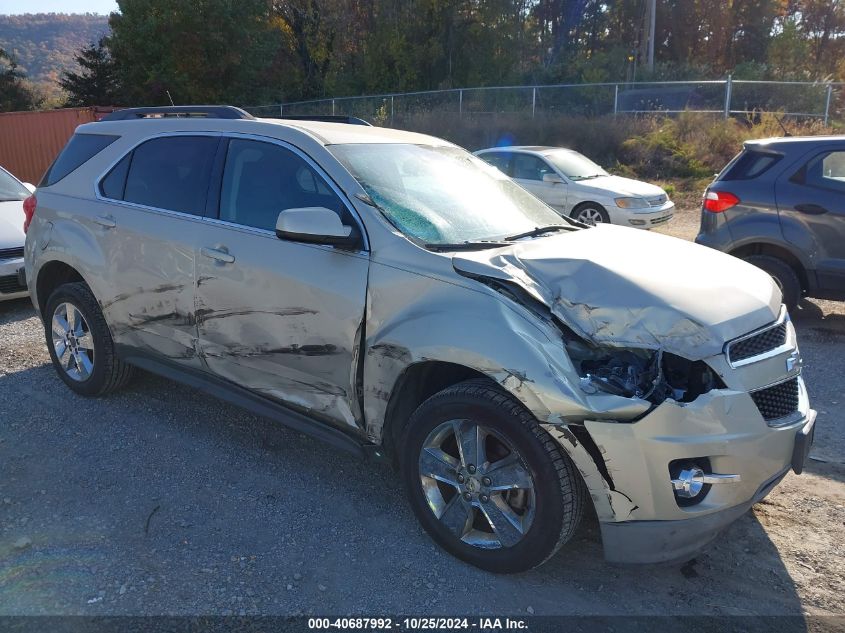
{"points": [[749, 165], [113, 185], [80, 149]]}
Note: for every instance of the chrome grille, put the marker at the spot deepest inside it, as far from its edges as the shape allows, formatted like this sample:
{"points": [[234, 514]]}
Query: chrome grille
{"points": [[777, 401], [11, 253], [757, 344]]}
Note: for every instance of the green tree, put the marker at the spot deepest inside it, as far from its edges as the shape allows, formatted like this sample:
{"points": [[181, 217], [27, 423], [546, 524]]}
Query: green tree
{"points": [[200, 51], [96, 84], [15, 94]]}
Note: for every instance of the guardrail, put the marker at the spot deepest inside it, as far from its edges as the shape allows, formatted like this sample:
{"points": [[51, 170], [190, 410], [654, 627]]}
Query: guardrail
{"points": [[726, 97]]}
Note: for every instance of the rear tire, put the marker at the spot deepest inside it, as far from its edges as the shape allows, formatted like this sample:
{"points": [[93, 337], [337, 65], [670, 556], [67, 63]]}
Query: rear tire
{"points": [[80, 343], [783, 274], [521, 476]]}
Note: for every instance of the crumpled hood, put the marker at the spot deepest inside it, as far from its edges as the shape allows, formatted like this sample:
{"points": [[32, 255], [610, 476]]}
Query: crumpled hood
{"points": [[11, 224], [627, 288], [619, 186]]}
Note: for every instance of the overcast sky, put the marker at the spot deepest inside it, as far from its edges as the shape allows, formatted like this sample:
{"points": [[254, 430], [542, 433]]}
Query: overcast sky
{"points": [[57, 6]]}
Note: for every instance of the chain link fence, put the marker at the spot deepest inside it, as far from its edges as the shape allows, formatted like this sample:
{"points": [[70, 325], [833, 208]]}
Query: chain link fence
{"points": [[725, 97]]}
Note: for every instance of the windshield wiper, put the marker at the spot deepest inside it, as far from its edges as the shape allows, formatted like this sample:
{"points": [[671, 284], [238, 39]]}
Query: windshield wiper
{"points": [[540, 230], [466, 246]]}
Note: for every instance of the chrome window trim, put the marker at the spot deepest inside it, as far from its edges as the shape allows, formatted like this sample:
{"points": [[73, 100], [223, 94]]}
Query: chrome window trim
{"points": [[783, 317], [201, 217]]}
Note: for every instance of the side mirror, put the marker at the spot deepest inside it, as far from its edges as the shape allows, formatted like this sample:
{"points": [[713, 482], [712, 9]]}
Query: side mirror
{"points": [[29, 186], [315, 225], [553, 179]]}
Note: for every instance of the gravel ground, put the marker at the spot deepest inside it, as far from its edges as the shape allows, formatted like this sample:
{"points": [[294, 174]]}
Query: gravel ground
{"points": [[160, 500]]}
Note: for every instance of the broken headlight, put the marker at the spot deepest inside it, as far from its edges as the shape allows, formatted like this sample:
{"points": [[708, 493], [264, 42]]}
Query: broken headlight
{"points": [[652, 375]]}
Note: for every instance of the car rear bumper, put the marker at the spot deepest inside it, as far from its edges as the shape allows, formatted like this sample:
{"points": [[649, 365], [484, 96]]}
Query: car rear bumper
{"points": [[12, 283]]}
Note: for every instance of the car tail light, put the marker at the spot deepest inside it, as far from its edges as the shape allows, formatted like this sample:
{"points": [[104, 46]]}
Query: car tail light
{"points": [[719, 201], [29, 211]]}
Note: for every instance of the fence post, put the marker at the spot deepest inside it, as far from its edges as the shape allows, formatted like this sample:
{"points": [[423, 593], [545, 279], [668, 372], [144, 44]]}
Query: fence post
{"points": [[533, 101], [391, 110], [728, 90], [282, 110], [332, 107], [827, 104], [460, 103], [615, 99]]}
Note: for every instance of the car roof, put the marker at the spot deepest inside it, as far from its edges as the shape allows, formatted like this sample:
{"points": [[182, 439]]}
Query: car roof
{"points": [[535, 149], [792, 141], [321, 131]]}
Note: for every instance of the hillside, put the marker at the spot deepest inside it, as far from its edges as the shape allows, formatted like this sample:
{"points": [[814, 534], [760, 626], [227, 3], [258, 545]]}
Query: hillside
{"points": [[45, 44]]}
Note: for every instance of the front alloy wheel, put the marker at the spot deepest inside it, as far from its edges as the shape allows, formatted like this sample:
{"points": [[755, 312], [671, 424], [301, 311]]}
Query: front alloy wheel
{"points": [[591, 215], [476, 484], [486, 481]]}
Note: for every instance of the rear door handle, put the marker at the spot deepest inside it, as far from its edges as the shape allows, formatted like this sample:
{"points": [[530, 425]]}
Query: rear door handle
{"points": [[810, 209], [106, 221], [220, 256]]}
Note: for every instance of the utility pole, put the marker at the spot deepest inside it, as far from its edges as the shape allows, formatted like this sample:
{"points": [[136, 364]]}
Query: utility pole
{"points": [[652, 20]]}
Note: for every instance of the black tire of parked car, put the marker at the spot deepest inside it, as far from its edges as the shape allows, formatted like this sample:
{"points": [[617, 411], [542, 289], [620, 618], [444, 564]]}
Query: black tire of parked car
{"points": [[783, 274], [560, 493], [109, 373], [605, 217]]}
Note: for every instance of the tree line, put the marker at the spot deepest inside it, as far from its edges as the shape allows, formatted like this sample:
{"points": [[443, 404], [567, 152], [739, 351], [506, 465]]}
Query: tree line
{"points": [[253, 52]]}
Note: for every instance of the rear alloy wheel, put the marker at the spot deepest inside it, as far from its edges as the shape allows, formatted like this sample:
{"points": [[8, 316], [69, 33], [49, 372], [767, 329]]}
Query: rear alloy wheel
{"points": [[591, 214], [783, 275], [486, 481], [80, 343]]}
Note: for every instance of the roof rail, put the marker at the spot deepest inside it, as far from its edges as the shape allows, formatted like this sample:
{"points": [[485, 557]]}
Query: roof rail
{"points": [[327, 118], [166, 112]]}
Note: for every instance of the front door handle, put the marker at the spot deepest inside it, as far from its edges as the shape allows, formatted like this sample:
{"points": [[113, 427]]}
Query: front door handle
{"points": [[220, 256], [810, 209], [106, 221]]}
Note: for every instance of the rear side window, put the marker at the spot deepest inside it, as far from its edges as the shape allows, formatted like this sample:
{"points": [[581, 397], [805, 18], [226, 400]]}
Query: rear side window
{"points": [[749, 165], [80, 149], [171, 173], [500, 160]]}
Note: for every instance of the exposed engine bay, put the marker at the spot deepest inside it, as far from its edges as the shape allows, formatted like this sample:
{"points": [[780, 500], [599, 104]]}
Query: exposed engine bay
{"points": [[652, 375]]}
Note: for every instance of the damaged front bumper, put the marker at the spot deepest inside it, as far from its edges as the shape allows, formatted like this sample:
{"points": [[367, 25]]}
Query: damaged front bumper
{"points": [[629, 479]]}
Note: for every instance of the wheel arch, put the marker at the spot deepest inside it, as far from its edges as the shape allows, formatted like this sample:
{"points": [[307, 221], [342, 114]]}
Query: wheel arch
{"points": [[50, 276], [778, 251], [418, 382]]}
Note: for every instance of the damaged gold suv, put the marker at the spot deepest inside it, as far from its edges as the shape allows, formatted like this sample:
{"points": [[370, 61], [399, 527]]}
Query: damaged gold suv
{"points": [[398, 297]]}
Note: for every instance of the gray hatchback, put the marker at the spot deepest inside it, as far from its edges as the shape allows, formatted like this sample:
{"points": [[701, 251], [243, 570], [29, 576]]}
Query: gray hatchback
{"points": [[780, 204]]}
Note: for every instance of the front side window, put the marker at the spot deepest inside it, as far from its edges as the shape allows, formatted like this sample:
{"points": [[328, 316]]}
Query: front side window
{"points": [[528, 167], [827, 172], [442, 195], [11, 188], [171, 173], [261, 180]]}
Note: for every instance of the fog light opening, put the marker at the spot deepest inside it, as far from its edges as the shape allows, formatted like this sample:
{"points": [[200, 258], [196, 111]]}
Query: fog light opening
{"points": [[687, 477]]}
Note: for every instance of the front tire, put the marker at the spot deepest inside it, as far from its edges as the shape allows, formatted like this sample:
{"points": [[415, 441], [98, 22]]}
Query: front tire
{"points": [[486, 482], [590, 213], [80, 343]]}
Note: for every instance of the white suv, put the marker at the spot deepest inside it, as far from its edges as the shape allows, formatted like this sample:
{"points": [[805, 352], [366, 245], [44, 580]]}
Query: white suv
{"points": [[398, 297]]}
